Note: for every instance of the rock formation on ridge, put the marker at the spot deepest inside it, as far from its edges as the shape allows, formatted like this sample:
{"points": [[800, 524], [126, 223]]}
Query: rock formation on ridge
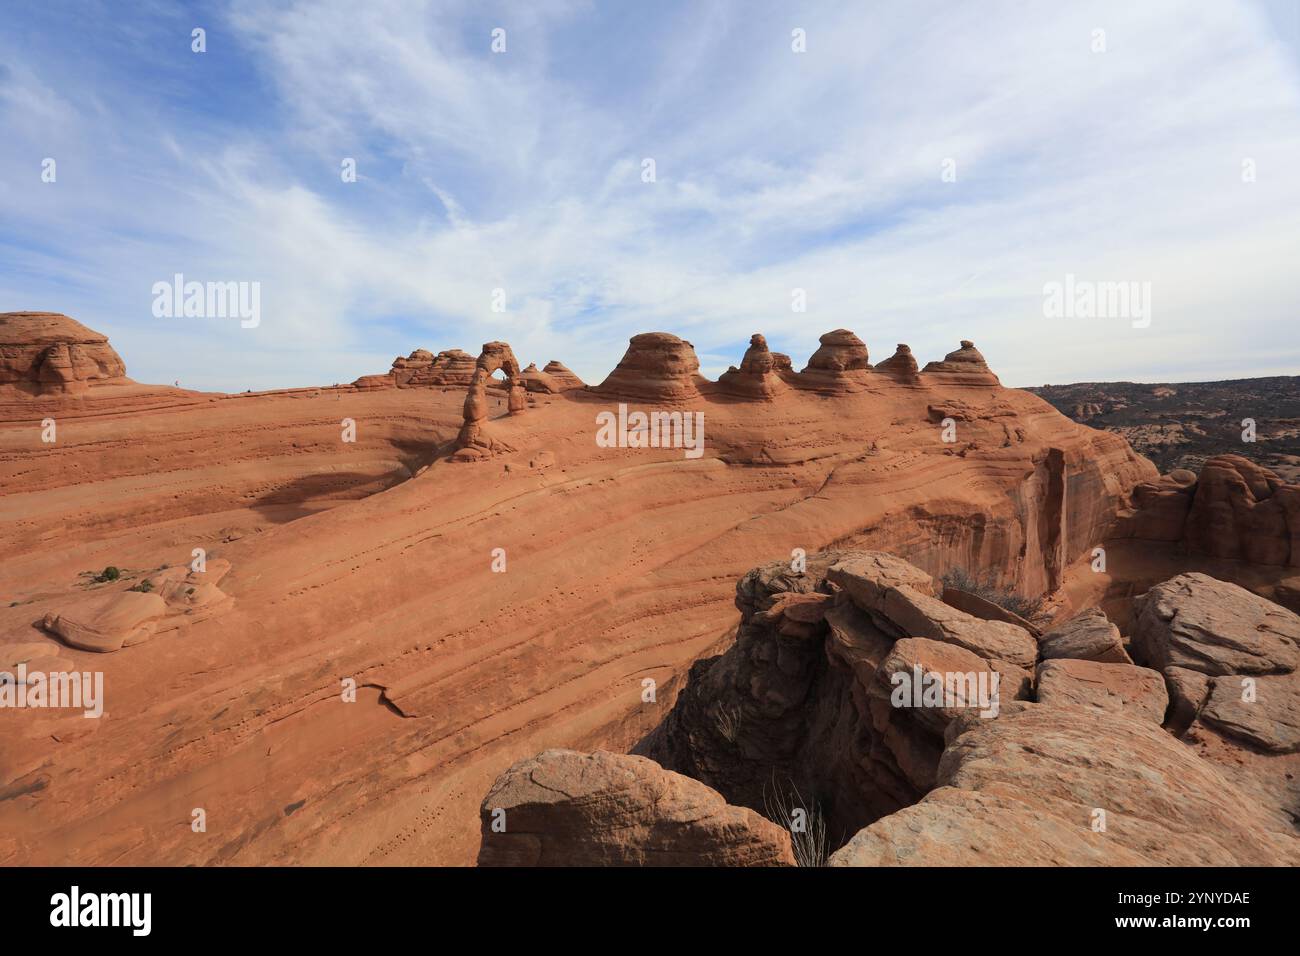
{"points": [[47, 353], [657, 367], [901, 365], [965, 366], [563, 379], [757, 376], [840, 364]]}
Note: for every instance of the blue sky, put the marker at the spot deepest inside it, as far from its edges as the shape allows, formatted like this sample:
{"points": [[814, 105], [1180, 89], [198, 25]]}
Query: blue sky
{"points": [[775, 170]]}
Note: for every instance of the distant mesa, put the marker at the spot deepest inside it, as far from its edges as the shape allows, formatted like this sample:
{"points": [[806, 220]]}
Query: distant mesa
{"points": [[966, 366], [48, 353], [657, 367]]}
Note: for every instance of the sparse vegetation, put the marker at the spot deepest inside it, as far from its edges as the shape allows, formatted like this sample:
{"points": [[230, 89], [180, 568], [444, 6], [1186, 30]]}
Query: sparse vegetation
{"points": [[110, 573], [144, 586], [727, 720], [988, 589], [804, 821]]}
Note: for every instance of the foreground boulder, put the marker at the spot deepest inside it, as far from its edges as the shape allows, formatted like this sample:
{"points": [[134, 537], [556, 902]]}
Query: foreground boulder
{"points": [[1089, 636], [1207, 625], [1047, 785], [1119, 688], [1069, 765], [563, 808]]}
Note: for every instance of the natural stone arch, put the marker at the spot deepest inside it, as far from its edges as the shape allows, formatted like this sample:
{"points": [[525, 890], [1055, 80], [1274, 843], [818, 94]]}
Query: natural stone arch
{"points": [[473, 440]]}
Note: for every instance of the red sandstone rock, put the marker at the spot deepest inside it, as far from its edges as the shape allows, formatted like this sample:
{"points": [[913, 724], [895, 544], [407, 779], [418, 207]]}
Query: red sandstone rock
{"points": [[1203, 624], [966, 366], [451, 368], [914, 733], [920, 615], [657, 367], [757, 376], [371, 383], [46, 353], [1089, 636], [1263, 711], [1122, 688], [1188, 692], [901, 366], [1158, 509], [986, 610], [1244, 511], [476, 439], [538, 381], [837, 730], [107, 622], [563, 379], [344, 571], [1026, 789], [840, 364], [563, 808]]}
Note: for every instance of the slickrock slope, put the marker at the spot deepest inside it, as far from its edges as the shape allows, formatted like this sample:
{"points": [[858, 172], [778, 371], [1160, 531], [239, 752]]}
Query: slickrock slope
{"points": [[390, 644], [563, 808], [47, 353]]}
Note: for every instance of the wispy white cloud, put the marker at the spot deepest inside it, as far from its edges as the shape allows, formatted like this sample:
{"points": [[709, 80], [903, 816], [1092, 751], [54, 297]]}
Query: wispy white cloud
{"points": [[775, 170]]}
